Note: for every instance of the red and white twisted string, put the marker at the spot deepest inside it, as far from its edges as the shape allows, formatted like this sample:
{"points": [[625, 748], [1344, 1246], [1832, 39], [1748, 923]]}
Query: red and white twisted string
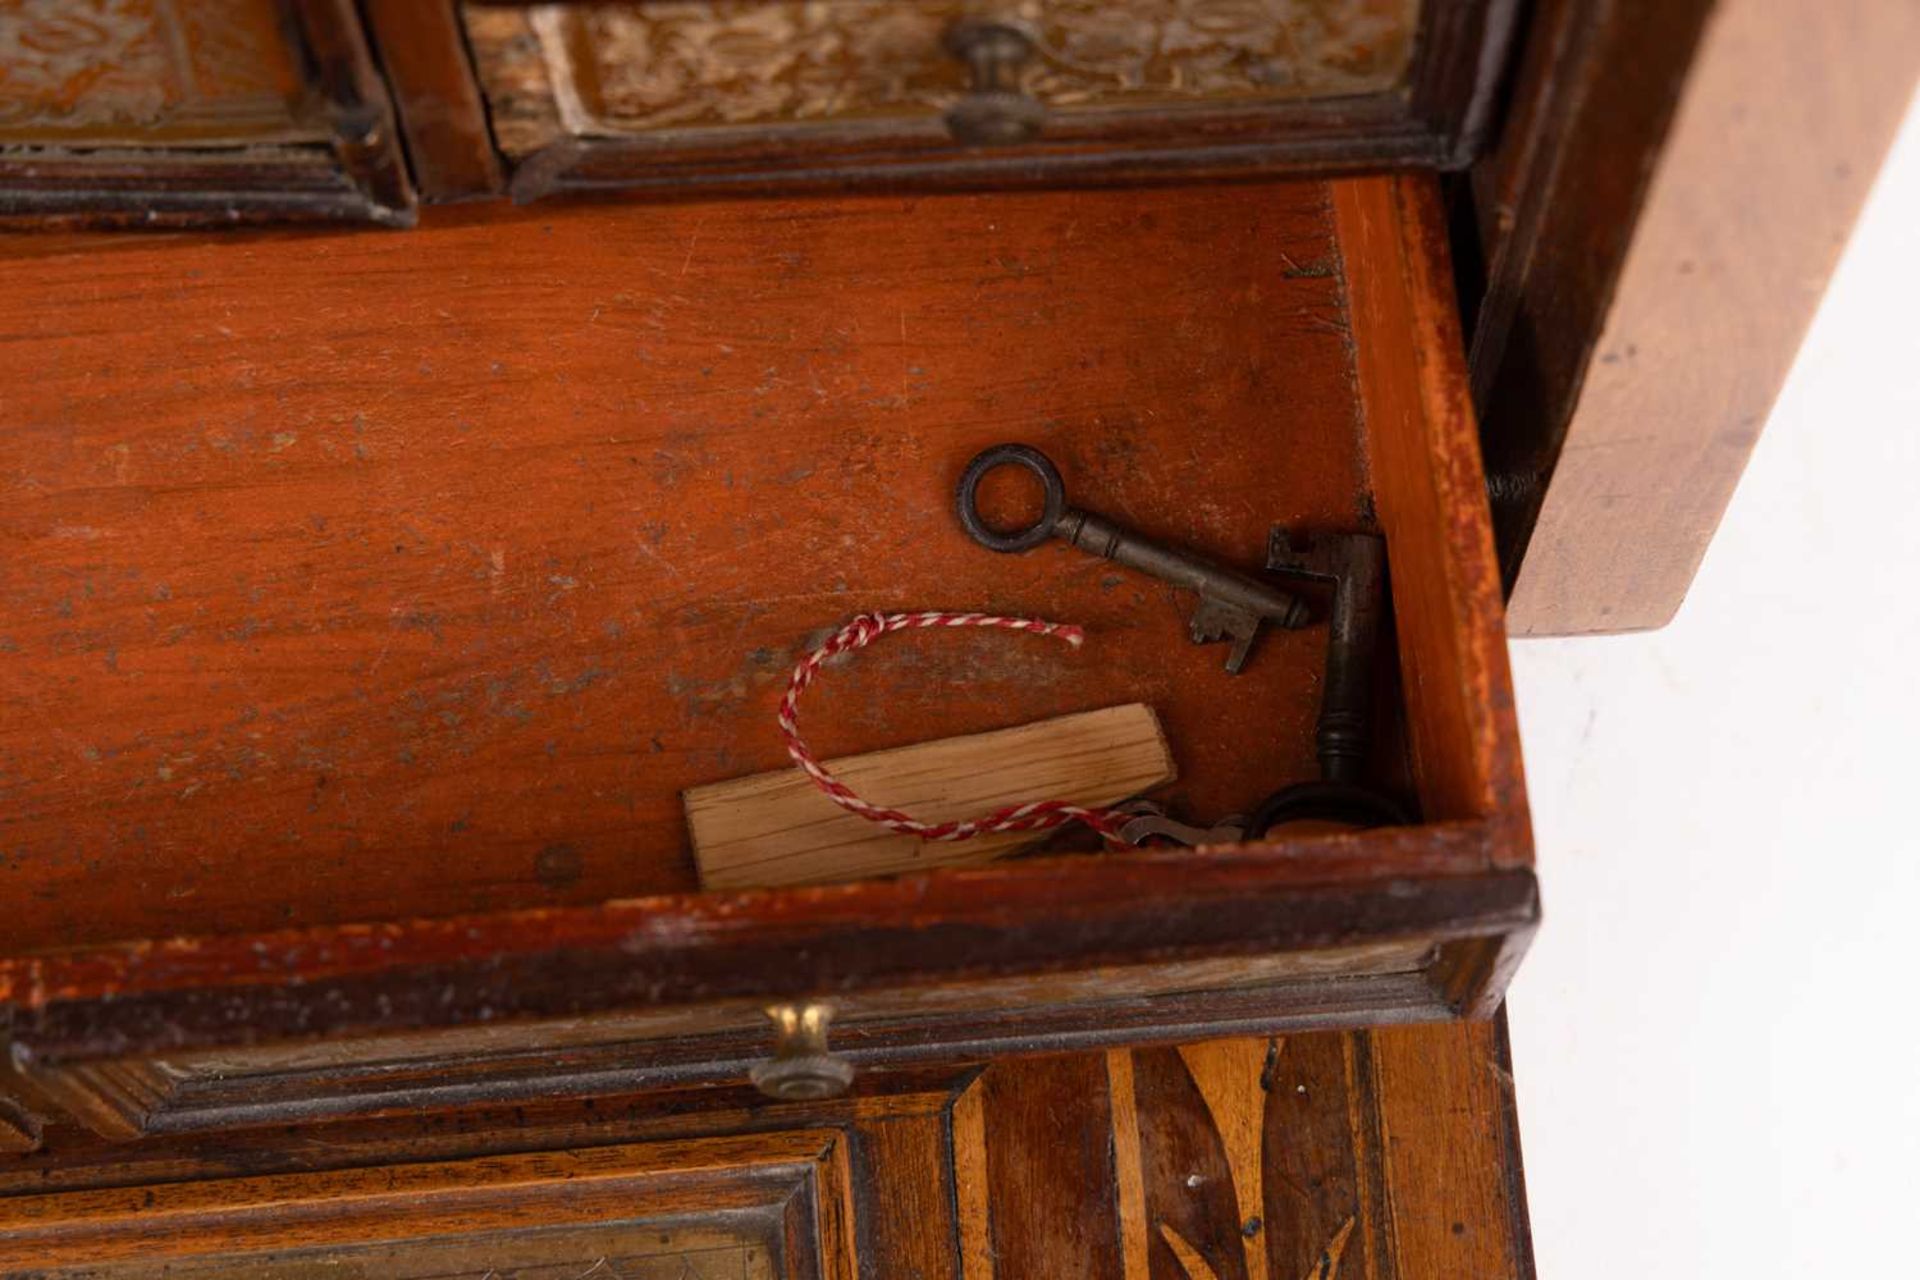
{"points": [[1038, 815]]}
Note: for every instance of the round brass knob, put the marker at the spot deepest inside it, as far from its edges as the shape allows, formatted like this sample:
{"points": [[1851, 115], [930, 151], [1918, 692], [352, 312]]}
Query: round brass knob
{"points": [[802, 1068]]}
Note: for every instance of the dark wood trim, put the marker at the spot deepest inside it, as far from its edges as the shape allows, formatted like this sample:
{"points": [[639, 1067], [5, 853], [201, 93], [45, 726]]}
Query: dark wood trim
{"points": [[1509, 1142], [1470, 977], [422, 47], [1460, 72], [1309, 138], [112, 1002], [74, 1157], [366, 135], [99, 1097]]}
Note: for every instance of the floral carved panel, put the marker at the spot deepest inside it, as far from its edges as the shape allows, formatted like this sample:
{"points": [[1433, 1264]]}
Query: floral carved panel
{"points": [[89, 73], [622, 69]]}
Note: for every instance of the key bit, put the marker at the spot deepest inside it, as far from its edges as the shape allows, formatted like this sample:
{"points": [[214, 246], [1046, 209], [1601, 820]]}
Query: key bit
{"points": [[1214, 621], [1151, 821], [1232, 605]]}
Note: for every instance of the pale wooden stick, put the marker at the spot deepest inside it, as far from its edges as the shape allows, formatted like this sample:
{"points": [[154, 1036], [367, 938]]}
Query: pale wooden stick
{"points": [[777, 829]]}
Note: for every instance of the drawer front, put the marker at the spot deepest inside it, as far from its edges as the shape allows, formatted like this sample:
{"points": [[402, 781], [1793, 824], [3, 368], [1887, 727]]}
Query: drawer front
{"points": [[590, 95], [170, 112], [873, 1036], [266, 110], [642, 69]]}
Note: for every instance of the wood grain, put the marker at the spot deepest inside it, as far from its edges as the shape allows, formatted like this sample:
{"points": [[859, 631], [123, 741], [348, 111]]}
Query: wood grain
{"points": [[972, 1186], [432, 593], [779, 828], [902, 1169], [1129, 1184], [1314, 1188], [1048, 1155], [1449, 1151], [1445, 580], [79, 1160], [1228, 1075], [423, 49], [1784, 118], [1192, 1199]]}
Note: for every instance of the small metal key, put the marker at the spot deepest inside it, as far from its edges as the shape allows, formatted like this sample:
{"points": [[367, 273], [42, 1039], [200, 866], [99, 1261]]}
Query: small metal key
{"points": [[1232, 605]]}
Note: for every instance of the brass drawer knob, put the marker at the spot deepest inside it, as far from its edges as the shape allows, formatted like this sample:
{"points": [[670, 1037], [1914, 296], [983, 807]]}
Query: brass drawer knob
{"points": [[802, 1068], [995, 112]]}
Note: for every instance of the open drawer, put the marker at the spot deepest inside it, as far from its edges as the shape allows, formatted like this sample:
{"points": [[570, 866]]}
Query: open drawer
{"points": [[368, 602]]}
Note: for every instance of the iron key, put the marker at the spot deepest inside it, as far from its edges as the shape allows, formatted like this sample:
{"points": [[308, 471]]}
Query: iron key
{"points": [[1232, 605]]}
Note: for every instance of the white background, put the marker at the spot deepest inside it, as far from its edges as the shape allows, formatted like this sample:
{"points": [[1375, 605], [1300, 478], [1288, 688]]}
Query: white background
{"points": [[1716, 1035]]}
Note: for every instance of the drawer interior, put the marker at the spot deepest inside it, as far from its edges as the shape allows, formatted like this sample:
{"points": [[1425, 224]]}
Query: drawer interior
{"points": [[354, 577], [368, 601]]}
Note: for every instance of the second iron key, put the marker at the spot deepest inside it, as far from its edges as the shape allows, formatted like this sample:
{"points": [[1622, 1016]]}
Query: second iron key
{"points": [[1232, 604]]}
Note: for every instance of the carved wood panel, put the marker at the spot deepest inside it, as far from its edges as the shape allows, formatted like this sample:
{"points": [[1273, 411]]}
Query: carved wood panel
{"points": [[143, 111], [606, 70], [151, 73], [587, 95]]}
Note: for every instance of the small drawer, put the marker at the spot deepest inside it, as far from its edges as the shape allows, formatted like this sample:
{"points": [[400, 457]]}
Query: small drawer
{"points": [[799, 93], [369, 602], [174, 113]]}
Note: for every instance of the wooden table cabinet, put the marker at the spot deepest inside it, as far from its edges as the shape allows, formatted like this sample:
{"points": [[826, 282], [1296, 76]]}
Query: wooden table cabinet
{"points": [[369, 595]]}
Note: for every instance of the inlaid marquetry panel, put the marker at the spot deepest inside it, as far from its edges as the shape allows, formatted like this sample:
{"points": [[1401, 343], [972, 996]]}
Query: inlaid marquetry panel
{"points": [[1324, 1156], [605, 70]]}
